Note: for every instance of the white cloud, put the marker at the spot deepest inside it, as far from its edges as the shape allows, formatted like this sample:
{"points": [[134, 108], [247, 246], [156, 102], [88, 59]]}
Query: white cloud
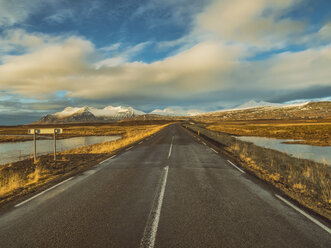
{"points": [[210, 59], [301, 69], [206, 67], [111, 48], [18, 40], [120, 56], [253, 22], [16, 11], [60, 16], [67, 66]]}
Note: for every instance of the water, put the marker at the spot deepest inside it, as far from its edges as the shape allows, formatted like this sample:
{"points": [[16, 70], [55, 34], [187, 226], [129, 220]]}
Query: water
{"points": [[12, 152], [320, 154]]}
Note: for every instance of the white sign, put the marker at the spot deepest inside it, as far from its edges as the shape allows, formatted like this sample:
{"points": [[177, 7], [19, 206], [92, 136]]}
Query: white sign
{"points": [[45, 131]]}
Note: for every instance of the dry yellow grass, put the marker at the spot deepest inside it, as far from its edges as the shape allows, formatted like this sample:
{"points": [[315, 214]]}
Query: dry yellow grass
{"points": [[131, 135], [313, 133], [27, 175]]}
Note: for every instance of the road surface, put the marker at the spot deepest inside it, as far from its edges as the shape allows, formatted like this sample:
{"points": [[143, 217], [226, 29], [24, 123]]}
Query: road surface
{"points": [[169, 191]]}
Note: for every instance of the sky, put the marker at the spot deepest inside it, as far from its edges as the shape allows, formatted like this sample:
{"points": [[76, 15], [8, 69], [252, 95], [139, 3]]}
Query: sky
{"points": [[150, 54]]}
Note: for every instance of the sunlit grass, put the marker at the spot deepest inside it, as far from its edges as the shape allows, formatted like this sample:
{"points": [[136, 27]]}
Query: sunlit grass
{"points": [[313, 133], [25, 175]]}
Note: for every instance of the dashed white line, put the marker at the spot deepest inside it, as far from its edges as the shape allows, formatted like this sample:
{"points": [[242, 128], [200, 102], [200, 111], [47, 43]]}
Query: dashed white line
{"points": [[213, 150], [148, 239], [127, 149], [236, 167], [304, 214], [43, 192], [204, 143], [107, 159], [170, 149], [140, 142]]}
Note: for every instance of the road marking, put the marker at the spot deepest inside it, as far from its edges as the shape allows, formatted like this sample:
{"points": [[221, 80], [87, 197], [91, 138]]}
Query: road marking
{"points": [[213, 150], [148, 239], [90, 172], [43, 192], [170, 149], [140, 142], [236, 167], [304, 214], [204, 143], [127, 149], [107, 159]]}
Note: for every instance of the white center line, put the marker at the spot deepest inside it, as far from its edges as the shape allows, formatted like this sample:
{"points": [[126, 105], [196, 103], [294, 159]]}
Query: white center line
{"points": [[43, 192], [213, 150], [236, 167], [170, 149], [148, 239], [305, 214]]}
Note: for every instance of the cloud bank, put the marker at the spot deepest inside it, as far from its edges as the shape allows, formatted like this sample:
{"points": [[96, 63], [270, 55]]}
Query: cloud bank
{"points": [[213, 57]]}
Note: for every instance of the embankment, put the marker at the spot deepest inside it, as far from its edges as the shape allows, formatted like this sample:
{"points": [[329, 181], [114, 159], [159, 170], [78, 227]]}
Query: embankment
{"points": [[305, 181]]}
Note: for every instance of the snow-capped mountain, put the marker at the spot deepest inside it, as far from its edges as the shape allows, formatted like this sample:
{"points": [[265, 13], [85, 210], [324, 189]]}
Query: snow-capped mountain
{"points": [[308, 110], [254, 104], [176, 112], [91, 114], [109, 111]]}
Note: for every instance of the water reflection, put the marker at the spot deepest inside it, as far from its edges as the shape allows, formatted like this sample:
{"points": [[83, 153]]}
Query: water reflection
{"points": [[12, 152], [320, 154]]}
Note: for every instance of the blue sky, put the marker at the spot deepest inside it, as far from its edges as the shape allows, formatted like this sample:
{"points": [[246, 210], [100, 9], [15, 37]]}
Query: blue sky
{"points": [[151, 54]]}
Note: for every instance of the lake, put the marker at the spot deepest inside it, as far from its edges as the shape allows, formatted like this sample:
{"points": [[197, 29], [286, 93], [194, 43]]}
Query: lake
{"points": [[15, 151], [320, 154]]}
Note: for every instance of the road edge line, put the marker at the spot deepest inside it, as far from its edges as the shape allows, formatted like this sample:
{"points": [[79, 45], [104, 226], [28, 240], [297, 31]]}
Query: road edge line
{"points": [[213, 150], [43, 192], [325, 228], [236, 167], [127, 149]]}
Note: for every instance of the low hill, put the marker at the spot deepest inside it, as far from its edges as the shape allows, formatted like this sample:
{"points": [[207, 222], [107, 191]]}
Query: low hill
{"points": [[310, 110]]}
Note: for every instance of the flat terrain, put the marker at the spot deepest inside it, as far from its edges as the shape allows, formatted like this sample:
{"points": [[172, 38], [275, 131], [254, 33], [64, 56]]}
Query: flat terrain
{"points": [[169, 191], [25, 176], [312, 132], [7, 133]]}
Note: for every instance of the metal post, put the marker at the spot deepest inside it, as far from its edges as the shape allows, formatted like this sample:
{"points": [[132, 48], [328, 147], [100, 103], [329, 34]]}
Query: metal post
{"points": [[54, 145], [35, 147]]}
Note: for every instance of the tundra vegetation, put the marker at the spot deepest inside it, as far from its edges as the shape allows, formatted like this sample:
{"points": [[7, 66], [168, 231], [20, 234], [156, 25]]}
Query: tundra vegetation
{"points": [[310, 132], [23, 177]]}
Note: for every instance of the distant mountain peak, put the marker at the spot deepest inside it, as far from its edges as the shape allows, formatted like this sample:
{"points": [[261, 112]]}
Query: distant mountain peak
{"points": [[175, 111], [91, 114], [255, 104]]}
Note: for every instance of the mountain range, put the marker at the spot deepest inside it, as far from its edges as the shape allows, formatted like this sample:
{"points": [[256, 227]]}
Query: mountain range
{"points": [[90, 114], [249, 110], [307, 110], [110, 113]]}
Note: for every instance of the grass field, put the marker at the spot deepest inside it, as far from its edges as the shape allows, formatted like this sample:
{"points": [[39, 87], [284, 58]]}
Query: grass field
{"points": [[312, 132], [24, 176], [7, 134]]}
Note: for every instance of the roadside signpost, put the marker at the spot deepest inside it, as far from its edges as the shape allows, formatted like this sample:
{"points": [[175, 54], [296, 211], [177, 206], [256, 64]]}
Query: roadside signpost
{"points": [[53, 131]]}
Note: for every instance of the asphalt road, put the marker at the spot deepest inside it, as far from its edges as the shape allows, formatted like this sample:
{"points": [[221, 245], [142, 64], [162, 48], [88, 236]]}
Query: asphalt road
{"points": [[169, 191]]}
